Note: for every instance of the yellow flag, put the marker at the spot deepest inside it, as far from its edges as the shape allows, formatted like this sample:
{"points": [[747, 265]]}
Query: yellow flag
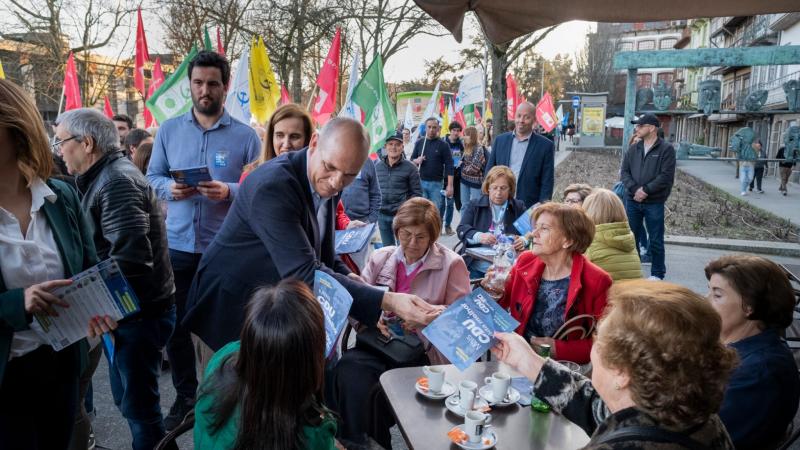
{"points": [[264, 90], [488, 114], [2, 74], [445, 122]]}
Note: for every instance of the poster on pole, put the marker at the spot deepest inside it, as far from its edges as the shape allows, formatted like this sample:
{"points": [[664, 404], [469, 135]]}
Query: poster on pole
{"points": [[593, 121]]}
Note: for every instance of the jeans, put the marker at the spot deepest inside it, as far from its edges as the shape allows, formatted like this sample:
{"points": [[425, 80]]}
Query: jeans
{"points": [[468, 193], [649, 217], [385, 228], [757, 178], [432, 190], [180, 349], [134, 375], [446, 207], [745, 176]]}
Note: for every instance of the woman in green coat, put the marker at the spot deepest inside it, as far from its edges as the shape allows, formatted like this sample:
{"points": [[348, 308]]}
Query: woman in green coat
{"points": [[614, 246]]}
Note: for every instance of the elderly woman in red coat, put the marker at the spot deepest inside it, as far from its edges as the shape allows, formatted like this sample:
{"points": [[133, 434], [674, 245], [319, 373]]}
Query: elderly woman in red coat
{"points": [[554, 283]]}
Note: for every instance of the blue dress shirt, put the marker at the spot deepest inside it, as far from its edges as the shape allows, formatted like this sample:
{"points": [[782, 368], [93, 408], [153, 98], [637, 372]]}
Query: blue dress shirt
{"points": [[225, 149]]}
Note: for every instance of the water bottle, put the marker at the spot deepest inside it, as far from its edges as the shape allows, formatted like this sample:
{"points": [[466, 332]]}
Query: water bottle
{"points": [[503, 260], [536, 404]]}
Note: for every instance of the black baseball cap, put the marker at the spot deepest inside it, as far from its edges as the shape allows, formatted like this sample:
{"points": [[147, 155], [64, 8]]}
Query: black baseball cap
{"points": [[647, 119], [395, 137]]}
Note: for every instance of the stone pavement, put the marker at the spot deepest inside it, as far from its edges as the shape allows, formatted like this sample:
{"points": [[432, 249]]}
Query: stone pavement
{"points": [[723, 176]]}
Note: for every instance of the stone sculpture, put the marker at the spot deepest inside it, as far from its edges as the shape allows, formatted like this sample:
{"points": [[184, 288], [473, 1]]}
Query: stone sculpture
{"points": [[709, 99]]}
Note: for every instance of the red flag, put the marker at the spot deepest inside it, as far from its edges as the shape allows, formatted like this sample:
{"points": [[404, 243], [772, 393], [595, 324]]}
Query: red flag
{"points": [[442, 108], [545, 114], [142, 55], [285, 98], [155, 83], [72, 89], [107, 109], [328, 79], [477, 116], [220, 48], [512, 96]]}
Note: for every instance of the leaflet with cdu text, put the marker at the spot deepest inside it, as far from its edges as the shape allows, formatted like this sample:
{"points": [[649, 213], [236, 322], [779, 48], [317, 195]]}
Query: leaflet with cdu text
{"points": [[465, 330], [353, 240], [335, 302]]}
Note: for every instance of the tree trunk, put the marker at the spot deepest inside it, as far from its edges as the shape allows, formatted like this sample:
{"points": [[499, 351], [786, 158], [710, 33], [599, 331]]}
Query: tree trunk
{"points": [[499, 104], [297, 63]]}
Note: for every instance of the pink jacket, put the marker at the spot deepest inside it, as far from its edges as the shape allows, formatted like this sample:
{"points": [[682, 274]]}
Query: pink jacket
{"points": [[442, 280]]}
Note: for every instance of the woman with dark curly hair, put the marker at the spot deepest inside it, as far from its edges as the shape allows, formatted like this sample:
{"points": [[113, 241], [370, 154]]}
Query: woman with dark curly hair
{"points": [[755, 301], [658, 377]]}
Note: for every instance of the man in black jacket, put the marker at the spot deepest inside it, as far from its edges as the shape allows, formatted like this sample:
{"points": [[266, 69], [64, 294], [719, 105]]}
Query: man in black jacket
{"points": [[399, 181], [128, 227], [648, 172], [435, 161]]}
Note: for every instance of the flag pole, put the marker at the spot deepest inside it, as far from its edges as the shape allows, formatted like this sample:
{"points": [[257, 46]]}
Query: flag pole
{"points": [[311, 98], [60, 101]]}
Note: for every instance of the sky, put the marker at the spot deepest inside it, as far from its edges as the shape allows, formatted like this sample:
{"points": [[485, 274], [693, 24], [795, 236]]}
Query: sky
{"points": [[409, 63]]}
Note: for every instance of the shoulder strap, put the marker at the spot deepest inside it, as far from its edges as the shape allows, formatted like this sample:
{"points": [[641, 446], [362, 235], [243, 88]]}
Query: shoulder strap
{"points": [[650, 434]]}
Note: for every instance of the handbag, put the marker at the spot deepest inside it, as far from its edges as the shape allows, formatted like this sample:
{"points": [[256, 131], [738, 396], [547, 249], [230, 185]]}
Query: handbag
{"points": [[397, 351], [619, 189], [572, 325]]}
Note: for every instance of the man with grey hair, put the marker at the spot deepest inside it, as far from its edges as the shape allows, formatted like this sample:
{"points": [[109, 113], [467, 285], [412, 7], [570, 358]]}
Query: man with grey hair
{"points": [[281, 225], [129, 228]]}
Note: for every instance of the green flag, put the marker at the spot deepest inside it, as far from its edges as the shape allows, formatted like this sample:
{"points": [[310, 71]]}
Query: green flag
{"points": [[174, 97], [371, 96], [207, 40], [469, 115]]}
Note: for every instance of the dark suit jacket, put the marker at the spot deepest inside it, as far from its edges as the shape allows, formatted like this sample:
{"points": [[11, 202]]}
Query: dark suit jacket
{"points": [[269, 234], [73, 235], [477, 217], [535, 181]]}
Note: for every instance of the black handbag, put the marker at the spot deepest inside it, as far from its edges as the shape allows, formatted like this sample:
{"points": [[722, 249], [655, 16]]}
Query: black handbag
{"points": [[397, 351]]}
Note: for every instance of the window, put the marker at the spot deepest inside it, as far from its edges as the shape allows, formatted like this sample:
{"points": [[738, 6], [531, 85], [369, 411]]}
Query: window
{"points": [[646, 45], [666, 77], [625, 46], [644, 80], [667, 43]]}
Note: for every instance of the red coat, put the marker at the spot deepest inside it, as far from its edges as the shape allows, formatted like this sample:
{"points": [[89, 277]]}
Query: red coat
{"points": [[587, 294]]}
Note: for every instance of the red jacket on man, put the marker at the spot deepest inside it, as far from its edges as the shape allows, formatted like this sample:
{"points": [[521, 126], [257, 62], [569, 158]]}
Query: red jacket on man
{"points": [[587, 294]]}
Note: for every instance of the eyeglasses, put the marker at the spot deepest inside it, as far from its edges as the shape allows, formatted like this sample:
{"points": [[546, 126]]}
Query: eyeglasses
{"points": [[57, 144], [503, 188], [572, 201]]}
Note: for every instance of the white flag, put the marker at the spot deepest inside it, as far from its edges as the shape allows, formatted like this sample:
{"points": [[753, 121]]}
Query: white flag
{"points": [[408, 122], [471, 90], [238, 101], [432, 104], [350, 109], [560, 113]]}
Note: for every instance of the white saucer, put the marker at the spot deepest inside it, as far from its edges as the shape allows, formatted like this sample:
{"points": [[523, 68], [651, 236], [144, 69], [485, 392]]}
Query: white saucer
{"points": [[447, 390], [512, 397], [453, 404], [487, 434]]}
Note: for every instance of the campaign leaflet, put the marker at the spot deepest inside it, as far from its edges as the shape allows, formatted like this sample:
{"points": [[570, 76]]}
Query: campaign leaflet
{"points": [[354, 239], [465, 330], [335, 302], [100, 290], [191, 176], [523, 222]]}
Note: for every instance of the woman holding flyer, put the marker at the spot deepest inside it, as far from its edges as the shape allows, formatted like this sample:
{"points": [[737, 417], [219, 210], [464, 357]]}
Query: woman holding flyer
{"points": [[554, 287], [420, 266], [44, 240]]}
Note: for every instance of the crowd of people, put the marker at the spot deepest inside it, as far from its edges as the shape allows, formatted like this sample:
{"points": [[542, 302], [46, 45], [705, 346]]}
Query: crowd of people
{"points": [[224, 271]]}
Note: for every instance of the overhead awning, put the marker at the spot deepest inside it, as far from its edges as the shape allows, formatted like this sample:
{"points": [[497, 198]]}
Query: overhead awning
{"points": [[504, 20], [615, 122], [695, 116], [722, 118]]}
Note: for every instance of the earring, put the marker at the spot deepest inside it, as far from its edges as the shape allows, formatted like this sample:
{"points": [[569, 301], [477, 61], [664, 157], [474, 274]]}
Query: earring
{"points": [[617, 386]]}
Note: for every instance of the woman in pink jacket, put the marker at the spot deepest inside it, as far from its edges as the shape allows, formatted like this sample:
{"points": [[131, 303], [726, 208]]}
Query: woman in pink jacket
{"points": [[420, 266]]}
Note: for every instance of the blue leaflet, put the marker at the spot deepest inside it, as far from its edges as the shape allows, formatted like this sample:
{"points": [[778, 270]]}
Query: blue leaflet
{"points": [[191, 176], [523, 222], [354, 239], [465, 330], [335, 302]]}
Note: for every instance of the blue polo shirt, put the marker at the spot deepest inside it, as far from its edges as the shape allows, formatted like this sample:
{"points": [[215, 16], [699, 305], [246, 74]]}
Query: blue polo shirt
{"points": [[225, 149]]}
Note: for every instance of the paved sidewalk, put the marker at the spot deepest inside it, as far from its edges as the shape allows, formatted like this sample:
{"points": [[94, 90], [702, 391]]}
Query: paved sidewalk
{"points": [[723, 176]]}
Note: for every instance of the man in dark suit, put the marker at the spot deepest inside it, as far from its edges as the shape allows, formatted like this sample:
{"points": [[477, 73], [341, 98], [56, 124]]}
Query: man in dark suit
{"points": [[281, 225], [530, 157]]}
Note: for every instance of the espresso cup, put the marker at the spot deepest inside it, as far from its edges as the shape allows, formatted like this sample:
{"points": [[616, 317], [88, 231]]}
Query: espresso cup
{"points": [[474, 423], [435, 378], [500, 382], [466, 394]]}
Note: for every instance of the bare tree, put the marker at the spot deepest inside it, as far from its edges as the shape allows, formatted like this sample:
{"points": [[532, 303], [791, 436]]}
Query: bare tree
{"points": [[595, 72], [502, 56], [52, 26]]}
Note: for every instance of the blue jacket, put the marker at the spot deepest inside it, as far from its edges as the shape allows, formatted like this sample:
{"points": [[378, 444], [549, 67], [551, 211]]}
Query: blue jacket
{"points": [[763, 392], [270, 234], [477, 217], [535, 181], [362, 198]]}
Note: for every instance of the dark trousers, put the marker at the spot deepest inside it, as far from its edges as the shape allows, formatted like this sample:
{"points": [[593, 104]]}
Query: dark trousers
{"points": [[757, 178], [180, 348], [83, 423], [134, 375], [38, 399], [360, 401], [649, 217]]}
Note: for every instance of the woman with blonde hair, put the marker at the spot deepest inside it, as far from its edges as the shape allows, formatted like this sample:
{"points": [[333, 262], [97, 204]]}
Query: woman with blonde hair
{"points": [[576, 193], [473, 167], [613, 248], [659, 372]]}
